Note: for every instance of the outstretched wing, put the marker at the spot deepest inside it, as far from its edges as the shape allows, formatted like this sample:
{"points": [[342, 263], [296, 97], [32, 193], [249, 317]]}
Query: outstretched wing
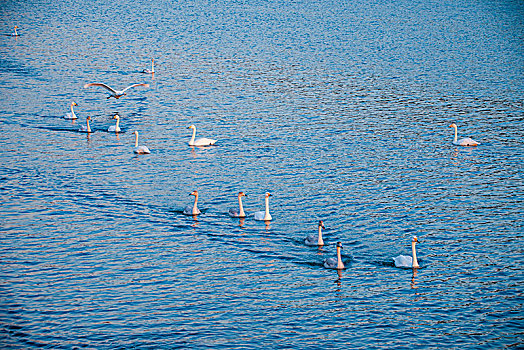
{"points": [[100, 84], [134, 85]]}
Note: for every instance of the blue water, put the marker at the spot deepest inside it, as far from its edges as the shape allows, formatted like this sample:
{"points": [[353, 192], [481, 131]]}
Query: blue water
{"points": [[340, 109]]}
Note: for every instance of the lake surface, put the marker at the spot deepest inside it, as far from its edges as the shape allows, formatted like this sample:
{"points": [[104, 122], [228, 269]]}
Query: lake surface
{"points": [[340, 109]]}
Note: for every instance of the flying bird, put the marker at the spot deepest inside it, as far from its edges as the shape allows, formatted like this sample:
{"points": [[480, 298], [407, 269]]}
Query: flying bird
{"points": [[115, 93]]}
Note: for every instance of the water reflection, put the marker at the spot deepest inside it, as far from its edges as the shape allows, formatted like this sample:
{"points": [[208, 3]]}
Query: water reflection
{"points": [[413, 282], [241, 222]]}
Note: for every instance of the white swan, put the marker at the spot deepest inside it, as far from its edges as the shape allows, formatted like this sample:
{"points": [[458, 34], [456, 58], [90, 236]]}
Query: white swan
{"points": [[316, 239], [115, 93], [238, 213], [152, 71], [192, 210], [15, 33], [201, 141], [264, 215], [408, 261], [71, 115], [465, 141], [86, 128], [115, 128], [332, 263], [140, 149]]}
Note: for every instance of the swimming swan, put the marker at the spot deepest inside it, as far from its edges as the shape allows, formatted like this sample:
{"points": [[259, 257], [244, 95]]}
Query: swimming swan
{"points": [[238, 213], [201, 141], [465, 141], [152, 71], [71, 115], [332, 263], [115, 128], [192, 210], [86, 128], [115, 93], [408, 261], [316, 239], [15, 33], [264, 215], [140, 149]]}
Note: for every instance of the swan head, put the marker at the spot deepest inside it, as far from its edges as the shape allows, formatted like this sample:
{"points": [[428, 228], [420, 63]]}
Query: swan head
{"points": [[16, 27], [415, 239], [194, 193], [242, 194], [339, 245], [453, 125], [73, 103], [191, 127], [88, 118], [135, 132], [268, 194], [116, 116], [321, 224]]}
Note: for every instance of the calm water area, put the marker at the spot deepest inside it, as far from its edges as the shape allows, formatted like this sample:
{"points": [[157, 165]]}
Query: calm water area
{"points": [[339, 109]]}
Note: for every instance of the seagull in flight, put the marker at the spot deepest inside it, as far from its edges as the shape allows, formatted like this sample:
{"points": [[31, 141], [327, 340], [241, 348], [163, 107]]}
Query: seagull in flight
{"points": [[115, 93]]}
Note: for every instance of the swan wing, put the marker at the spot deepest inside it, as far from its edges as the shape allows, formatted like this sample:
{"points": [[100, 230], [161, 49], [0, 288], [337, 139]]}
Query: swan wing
{"points": [[204, 142], [330, 263], [311, 240], [403, 261], [142, 150], [259, 215], [101, 85], [234, 213], [134, 85], [468, 142]]}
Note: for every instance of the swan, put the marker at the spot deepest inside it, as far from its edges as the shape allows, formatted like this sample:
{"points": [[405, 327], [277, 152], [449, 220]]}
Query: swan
{"points": [[86, 128], [316, 239], [140, 149], [332, 263], [201, 141], [115, 93], [152, 71], [465, 141], [408, 261], [234, 213], [264, 215], [15, 33], [115, 128], [192, 210], [71, 115]]}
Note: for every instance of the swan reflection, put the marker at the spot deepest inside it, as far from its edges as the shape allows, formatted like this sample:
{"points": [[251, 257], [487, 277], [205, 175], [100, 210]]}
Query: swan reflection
{"points": [[413, 282]]}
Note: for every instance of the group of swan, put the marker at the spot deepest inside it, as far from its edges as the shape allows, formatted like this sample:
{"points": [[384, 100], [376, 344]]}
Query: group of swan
{"points": [[311, 240]]}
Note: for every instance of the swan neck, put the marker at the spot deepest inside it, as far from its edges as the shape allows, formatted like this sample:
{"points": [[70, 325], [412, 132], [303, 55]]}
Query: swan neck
{"points": [[340, 264], [88, 127], [136, 139], [193, 137], [241, 210], [195, 209], [72, 111], [267, 206], [152, 66], [414, 252], [456, 134], [117, 122], [320, 240]]}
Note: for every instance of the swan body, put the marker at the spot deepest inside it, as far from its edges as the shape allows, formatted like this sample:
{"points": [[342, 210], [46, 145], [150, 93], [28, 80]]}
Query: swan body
{"points": [[332, 263], [115, 93], [264, 215], [465, 141], [116, 127], [15, 33], [192, 210], [86, 128], [316, 239], [140, 149], [152, 71], [203, 141], [71, 115], [238, 213], [408, 261]]}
